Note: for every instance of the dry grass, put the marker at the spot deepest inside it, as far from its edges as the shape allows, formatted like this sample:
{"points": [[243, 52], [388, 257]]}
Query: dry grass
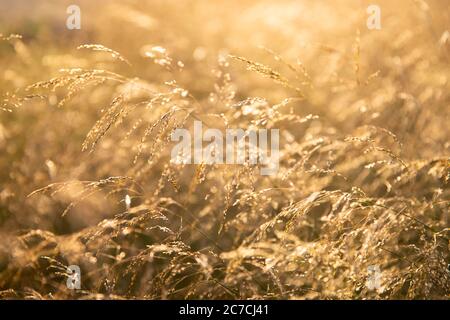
{"points": [[364, 175]]}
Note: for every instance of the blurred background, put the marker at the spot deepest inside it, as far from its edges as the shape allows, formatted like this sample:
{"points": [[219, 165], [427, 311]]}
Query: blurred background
{"points": [[363, 116]]}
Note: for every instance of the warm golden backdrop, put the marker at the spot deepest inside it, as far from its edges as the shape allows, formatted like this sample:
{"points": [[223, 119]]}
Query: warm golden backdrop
{"points": [[364, 175]]}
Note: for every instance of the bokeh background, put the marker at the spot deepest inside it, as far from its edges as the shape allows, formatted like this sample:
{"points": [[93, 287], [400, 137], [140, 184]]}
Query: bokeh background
{"points": [[85, 176]]}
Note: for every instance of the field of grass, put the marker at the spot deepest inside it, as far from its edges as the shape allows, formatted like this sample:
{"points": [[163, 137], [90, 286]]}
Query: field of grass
{"points": [[86, 118]]}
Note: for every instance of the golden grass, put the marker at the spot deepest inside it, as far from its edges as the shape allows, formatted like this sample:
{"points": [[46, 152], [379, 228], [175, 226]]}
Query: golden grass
{"points": [[85, 176]]}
